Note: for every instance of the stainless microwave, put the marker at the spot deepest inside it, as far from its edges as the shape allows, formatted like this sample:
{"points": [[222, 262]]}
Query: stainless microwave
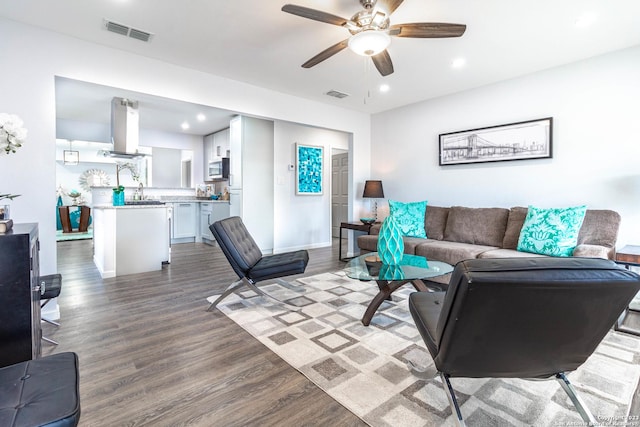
{"points": [[219, 169]]}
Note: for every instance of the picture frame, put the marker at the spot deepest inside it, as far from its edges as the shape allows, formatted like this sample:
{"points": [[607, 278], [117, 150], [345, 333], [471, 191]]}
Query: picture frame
{"points": [[531, 139], [309, 170]]}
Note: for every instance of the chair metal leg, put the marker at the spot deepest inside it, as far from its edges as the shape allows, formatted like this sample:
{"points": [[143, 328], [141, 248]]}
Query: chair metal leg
{"points": [[49, 340], [51, 322], [238, 284], [453, 402], [576, 399], [230, 289]]}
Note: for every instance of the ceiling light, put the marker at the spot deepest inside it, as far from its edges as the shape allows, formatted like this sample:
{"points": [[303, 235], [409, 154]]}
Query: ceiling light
{"points": [[458, 62], [201, 117], [184, 126], [369, 42], [384, 88], [585, 20]]}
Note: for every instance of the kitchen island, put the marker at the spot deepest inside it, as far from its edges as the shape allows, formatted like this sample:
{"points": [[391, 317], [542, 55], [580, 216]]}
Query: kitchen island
{"points": [[130, 239]]}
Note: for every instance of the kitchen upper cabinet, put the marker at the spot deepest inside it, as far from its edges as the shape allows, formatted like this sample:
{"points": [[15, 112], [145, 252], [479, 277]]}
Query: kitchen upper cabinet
{"points": [[184, 222], [221, 144], [216, 146]]}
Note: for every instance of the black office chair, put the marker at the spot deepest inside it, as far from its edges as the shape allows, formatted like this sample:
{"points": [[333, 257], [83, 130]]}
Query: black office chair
{"points": [[50, 287], [522, 318], [247, 261]]}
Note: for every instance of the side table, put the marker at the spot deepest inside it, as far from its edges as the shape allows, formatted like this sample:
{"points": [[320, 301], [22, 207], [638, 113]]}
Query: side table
{"points": [[85, 212], [359, 226], [628, 256]]}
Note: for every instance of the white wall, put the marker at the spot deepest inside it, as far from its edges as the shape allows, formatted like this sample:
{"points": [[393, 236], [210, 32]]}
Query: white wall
{"points": [[596, 142], [302, 221], [33, 57]]}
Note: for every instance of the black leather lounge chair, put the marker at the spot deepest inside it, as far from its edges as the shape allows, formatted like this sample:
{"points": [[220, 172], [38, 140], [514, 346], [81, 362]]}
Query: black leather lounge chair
{"points": [[522, 318], [247, 261]]}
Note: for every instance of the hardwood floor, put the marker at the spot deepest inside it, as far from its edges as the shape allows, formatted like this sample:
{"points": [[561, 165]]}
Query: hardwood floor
{"points": [[150, 353]]}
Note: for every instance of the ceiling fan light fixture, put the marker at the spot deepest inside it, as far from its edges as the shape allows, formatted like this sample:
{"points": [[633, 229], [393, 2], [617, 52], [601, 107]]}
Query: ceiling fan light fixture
{"points": [[369, 42]]}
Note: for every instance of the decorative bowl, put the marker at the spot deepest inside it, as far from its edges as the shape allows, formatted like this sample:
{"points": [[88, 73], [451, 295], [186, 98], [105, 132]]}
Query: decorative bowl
{"points": [[367, 220]]}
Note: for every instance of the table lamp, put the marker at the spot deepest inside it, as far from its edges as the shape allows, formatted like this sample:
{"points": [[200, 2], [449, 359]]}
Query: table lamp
{"points": [[373, 190]]}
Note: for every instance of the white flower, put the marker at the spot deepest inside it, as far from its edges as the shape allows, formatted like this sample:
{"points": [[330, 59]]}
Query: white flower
{"points": [[12, 134]]}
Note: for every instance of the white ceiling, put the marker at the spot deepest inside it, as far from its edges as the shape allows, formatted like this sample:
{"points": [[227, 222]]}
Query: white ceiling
{"points": [[255, 42]]}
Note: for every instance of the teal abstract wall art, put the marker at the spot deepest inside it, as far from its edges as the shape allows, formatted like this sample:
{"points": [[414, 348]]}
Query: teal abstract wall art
{"points": [[309, 166]]}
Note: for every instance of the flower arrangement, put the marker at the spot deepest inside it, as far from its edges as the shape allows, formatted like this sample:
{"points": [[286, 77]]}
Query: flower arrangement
{"points": [[12, 132], [131, 168]]}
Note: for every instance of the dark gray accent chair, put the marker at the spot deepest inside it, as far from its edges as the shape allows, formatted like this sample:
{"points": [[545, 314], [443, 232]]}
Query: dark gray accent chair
{"points": [[41, 392], [527, 318], [247, 260]]}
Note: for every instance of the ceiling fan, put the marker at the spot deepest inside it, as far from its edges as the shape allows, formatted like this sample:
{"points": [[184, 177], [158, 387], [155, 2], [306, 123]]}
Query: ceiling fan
{"points": [[371, 30]]}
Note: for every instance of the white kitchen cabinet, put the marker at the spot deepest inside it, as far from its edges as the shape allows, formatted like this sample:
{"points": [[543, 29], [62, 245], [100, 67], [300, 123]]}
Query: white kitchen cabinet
{"points": [[221, 143], [210, 213], [184, 227], [208, 142], [130, 239]]}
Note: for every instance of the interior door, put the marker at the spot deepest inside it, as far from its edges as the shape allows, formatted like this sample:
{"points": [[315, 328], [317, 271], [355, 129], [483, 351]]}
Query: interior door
{"points": [[339, 191]]}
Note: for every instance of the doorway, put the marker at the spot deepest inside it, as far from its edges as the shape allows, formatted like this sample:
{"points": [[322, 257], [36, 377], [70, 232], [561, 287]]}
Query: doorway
{"points": [[339, 189]]}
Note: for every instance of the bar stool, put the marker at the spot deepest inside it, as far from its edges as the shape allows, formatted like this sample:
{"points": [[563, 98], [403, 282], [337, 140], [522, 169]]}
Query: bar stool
{"points": [[50, 288]]}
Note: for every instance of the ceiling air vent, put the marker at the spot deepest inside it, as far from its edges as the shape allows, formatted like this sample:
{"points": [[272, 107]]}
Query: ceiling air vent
{"points": [[337, 94], [123, 30]]}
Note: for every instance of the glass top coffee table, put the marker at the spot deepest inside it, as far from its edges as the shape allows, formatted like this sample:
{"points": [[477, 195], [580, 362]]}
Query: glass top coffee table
{"points": [[413, 268]]}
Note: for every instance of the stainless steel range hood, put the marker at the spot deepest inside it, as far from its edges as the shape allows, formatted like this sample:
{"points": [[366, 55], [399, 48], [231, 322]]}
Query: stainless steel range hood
{"points": [[125, 129]]}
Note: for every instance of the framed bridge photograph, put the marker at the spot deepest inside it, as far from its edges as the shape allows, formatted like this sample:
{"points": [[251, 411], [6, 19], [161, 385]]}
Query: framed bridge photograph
{"points": [[514, 141]]}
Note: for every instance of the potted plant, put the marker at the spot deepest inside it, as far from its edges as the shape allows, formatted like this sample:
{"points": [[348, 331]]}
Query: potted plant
{"points": [[118, 191]]}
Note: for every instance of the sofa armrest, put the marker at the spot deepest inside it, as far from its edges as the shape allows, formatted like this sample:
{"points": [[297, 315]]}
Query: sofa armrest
{"points": [[375, 228], [593, 251]]}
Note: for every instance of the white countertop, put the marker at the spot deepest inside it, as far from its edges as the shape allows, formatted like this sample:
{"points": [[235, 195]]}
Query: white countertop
{"points": [[130, 207]]}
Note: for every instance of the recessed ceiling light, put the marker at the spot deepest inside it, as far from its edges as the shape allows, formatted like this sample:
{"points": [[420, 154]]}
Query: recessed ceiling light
{"points": [[585, 20], [184, 125], [458, 63], [201, 117], [384, 88]]}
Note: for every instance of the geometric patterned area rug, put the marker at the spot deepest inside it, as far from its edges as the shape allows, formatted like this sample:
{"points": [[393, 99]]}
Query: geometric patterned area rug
{"points": [[365, 368]]}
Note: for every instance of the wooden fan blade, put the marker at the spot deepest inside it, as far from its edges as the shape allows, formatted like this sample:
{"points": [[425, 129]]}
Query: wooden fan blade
{"points": [[316, 15], [383, 63], [427, 30], [325, 54], [389, 5]]}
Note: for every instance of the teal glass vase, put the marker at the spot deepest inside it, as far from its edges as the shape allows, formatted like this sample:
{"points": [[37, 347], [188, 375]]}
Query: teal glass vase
{"points": [[390, 243], [118, 197], [391, 272]]}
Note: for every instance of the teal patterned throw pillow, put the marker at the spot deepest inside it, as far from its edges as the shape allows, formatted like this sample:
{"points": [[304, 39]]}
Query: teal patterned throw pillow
{"points": [[552, 232], [410, 217]]}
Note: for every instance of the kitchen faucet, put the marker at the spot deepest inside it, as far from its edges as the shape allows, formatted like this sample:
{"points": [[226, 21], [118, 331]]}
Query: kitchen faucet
{"points": [[141, 188]]}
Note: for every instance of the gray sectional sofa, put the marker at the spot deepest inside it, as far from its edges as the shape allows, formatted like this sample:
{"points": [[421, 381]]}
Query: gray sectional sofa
{"points": [[457, 233]]}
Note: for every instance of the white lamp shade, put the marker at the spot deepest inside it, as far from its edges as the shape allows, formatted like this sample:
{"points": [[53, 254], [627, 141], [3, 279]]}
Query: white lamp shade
{"points": [[369, 42]]}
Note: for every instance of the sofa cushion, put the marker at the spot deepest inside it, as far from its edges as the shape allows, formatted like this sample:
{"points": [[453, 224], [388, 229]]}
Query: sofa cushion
{"points": [[514, 225], [450, 252], [551, 231], [436, 221], [410, 217], [594, 251], [368, 243], [600, 227], [507, 253], [480, 226]]}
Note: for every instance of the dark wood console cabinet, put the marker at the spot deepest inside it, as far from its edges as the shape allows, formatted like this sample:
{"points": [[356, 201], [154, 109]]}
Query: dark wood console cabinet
{"points": [[20, 330]]}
